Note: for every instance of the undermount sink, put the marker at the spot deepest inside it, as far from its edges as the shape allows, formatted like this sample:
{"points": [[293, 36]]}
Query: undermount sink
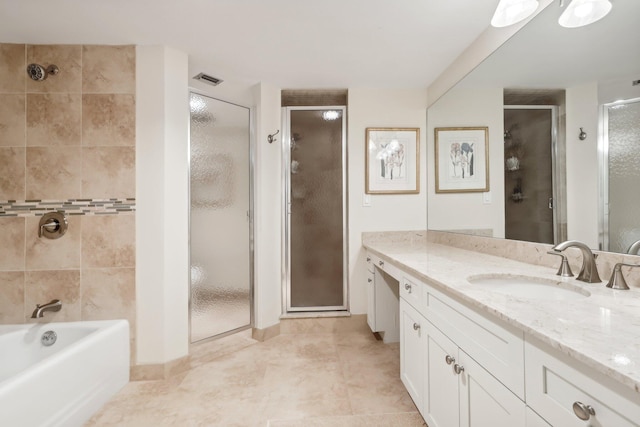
{"points": [[529, 287]]}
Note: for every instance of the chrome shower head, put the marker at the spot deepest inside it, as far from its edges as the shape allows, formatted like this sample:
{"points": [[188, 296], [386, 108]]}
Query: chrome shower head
{"points": [[38, 73]]}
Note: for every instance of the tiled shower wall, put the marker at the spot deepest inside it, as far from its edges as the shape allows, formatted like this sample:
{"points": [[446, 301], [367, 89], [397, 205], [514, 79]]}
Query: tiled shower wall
{"points": [[69, 139]]}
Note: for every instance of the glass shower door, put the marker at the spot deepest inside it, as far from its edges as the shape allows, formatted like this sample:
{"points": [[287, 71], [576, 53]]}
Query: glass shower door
{"points": [[315, 188], [220, 229], [622, 175]]}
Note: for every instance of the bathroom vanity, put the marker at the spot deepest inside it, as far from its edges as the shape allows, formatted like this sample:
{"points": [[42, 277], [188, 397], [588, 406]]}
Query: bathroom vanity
{"points": [[478, 350]]}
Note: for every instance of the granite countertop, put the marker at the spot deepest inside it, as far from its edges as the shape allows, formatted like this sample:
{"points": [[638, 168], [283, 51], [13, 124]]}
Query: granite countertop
{"points": [[602, 330]]}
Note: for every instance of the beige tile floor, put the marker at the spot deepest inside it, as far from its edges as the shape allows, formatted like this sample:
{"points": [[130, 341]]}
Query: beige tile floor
{"points": [[293, 380]]}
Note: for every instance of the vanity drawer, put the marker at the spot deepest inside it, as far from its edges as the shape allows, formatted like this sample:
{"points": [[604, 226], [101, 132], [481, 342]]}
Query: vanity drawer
{"points": [[556, 382], [411, 291], [390, 269], [495, 345]]}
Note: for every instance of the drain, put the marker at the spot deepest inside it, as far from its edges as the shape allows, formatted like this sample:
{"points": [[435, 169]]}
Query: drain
{"points": [[48, 338]]}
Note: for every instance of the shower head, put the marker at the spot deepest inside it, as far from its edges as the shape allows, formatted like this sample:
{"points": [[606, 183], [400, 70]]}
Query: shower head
{"points": [[38, 73]]}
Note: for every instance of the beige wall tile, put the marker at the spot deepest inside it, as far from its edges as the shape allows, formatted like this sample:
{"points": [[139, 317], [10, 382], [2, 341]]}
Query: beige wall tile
{"points": [[53, 173], [12, 120], [52, 254], [12, 243], [108, 119], [108, 172], [54, 119], [68, 58], [12, 68], [108, 241], [109, 69], [44, 286], [12, 173], [11, 297], [109, 293]]}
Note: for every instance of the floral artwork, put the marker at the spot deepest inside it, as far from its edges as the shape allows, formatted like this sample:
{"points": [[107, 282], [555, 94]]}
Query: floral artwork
{"points": [[392, 160], [461, 160]]}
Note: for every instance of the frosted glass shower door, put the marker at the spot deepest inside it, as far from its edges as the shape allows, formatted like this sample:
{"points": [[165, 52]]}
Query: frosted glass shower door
{"points": [[315, 159], [220, 217], [622, 205]]}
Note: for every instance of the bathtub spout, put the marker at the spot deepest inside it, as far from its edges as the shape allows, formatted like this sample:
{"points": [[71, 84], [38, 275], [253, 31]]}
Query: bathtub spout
{"points": [[53, 305]]}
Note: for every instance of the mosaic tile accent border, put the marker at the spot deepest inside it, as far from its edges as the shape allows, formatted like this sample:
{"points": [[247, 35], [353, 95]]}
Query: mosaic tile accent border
{"points": [[26, 208]]}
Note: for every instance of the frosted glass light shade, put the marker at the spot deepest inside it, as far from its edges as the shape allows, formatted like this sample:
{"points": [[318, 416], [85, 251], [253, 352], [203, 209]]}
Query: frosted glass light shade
{"points": [[584, 12], [509, 12]]}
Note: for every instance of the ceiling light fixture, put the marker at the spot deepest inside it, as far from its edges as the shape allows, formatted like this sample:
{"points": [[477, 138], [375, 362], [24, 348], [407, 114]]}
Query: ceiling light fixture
{"points": [[510, 12], [584, 12]]}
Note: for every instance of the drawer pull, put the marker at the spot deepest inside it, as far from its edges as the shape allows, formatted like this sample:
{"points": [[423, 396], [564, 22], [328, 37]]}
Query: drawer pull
{"points": [[449, 359], [369, 280], [458, 369], [381, 263], [368, 259], [407, 287], [416, 326], [582, 411]]}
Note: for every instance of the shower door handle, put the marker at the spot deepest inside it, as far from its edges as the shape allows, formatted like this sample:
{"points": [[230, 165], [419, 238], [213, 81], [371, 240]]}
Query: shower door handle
{"points": [[550, 202]]}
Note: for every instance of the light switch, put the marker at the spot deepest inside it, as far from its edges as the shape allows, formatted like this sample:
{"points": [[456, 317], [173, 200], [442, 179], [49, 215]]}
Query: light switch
{"points": [[366, 200], [486, 198]]}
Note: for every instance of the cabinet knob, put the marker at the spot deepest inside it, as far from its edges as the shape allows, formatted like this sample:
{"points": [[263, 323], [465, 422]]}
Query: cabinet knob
{"points": [[381, 263], [582, 411], [368, 259], [449, 359], [458, 369], [416, 326], [407, 287], [369, 280]]}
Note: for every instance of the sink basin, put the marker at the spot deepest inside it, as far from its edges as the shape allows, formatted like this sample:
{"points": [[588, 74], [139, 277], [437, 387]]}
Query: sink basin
{"points": [[529, 287]]}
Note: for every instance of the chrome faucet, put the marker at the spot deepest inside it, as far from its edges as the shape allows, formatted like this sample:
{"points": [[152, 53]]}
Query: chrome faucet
{"points": [[53, 305], [589, 271], [617, 280]]}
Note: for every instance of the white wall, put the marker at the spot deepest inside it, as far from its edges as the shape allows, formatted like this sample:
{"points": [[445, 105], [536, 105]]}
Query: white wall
{"points": [[268, 207], [452, 211], [162, 244], [380, 108], [582, 164]]}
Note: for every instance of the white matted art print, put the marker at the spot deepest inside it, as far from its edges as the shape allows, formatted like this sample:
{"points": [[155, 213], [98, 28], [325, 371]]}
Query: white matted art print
{"points": [[462, 159], [392, 160]]}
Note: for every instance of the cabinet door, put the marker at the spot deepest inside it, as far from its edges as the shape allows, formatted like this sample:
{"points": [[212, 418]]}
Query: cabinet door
{"points": [[412, 351], [371, 301], [485, 401], [535, 420], [440, 404]]}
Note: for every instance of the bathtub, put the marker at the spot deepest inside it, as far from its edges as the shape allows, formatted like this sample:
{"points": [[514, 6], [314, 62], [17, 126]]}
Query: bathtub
{"points": [[66, 383]]}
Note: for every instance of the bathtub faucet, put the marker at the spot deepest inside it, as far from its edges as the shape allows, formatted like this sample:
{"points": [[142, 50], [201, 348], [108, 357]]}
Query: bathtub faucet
{"points": [[53, 305]]}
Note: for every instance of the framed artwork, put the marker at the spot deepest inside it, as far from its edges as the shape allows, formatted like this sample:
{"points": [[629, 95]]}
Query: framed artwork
{"points": [[392, 160], [462, 159]]}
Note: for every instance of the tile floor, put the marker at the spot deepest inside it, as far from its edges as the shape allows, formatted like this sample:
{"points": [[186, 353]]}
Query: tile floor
{"points": [[311, 379]]}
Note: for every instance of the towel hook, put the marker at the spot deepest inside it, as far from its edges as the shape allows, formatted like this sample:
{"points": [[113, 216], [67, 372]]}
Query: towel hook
{"points": [[270, 138]]}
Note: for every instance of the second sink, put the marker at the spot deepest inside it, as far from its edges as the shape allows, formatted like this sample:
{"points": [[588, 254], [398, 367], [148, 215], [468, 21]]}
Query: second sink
{"points": [[529, 287]]}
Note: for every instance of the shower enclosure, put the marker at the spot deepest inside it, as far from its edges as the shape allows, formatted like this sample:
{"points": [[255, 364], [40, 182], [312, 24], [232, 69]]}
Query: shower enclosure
{"points": [[315, 224], [620, 176], [220, 227], [531, 194]]}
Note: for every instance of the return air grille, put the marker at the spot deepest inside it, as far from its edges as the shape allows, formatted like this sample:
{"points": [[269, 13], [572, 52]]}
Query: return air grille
{"points": [[208, 79]]}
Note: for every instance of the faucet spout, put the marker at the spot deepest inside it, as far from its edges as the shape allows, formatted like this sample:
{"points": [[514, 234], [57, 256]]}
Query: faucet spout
{"points": [[53, 305], [634, 249], [589, 271]]}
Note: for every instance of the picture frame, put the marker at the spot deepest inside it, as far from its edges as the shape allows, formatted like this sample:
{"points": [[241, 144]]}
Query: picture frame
{"points": [[392, 160], [462, 159]]}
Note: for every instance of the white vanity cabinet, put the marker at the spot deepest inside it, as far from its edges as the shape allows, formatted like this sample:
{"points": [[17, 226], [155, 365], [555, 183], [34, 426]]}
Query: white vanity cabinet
{"points": [[371, 295], [382, 298], [566, 393], [412, 351]]}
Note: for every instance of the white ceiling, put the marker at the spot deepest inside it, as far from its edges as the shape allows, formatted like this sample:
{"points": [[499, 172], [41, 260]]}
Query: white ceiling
{"points": [[287, 43]]}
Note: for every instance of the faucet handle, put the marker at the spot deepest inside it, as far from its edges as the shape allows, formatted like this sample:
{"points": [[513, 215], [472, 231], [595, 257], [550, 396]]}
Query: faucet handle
{"points": [[564, 270], [617, 281]]}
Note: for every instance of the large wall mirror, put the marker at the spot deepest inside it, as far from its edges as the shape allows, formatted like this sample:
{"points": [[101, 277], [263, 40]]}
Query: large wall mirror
{"points": [[563, 111]]}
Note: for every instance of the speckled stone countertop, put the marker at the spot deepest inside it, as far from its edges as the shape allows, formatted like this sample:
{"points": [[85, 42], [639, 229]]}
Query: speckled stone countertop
{"points": [[601, 330]]}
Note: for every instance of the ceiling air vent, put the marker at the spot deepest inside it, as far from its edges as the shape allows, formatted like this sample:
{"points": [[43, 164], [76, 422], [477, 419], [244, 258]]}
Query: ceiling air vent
{"points": [[208, 79]]}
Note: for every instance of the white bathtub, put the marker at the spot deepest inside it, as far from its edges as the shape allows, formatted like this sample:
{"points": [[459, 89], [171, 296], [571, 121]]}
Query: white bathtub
{"points": [[64, 384]]}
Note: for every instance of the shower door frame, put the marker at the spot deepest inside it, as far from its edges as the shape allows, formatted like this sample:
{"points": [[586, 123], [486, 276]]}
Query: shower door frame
{"points": [[286, 226], [559, 200], [250, 216], [603, 166]]}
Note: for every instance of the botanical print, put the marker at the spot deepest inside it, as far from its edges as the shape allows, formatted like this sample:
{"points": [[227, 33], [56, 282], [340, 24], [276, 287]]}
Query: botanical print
{"points": [[392, 160], [462, 159]]}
